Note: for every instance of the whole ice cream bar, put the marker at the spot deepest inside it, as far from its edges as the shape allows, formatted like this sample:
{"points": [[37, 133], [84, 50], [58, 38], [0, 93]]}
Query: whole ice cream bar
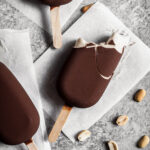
{"points": [[89, 69], [19, 117], [56, 2]]}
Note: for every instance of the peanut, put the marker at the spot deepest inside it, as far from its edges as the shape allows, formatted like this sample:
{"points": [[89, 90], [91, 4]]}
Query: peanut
{"points": [[139, 95], [112, 145], [85, 8], [143, 142], [83, 135], [122, 120]]}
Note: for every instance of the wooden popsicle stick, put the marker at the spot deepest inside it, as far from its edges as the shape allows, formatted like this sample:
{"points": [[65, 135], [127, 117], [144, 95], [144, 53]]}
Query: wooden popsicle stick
{"points": [[55, 132], [31, 145], [56, 27]]}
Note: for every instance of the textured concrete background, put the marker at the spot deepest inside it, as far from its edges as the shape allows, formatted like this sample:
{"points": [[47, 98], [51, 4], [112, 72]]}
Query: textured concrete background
{"points": [[136, 15]]}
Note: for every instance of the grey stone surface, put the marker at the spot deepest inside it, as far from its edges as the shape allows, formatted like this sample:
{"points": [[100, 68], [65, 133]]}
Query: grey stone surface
{"points": [[136, 15]]}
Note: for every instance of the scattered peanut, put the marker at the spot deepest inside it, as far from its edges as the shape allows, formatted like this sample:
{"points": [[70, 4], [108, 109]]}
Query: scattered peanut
{"points": [[143, 142], [122, 120], [112, 145], [85, 8], [83, 135], [139, 95]]}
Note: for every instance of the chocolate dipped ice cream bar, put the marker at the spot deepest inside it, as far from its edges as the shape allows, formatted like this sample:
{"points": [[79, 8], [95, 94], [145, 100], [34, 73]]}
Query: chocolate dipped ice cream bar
{"points": [[89, 69], [87, 73], [19, 117]]}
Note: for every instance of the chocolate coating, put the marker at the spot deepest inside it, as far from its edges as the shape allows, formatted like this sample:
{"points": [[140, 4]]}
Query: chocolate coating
{"points": [[19, 117], [54, 3], [86, 75]]}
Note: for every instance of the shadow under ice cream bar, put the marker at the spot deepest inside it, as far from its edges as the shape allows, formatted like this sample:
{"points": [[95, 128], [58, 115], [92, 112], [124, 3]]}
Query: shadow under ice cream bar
{"points": [[55, 20], [19, 117], [86, 75]]}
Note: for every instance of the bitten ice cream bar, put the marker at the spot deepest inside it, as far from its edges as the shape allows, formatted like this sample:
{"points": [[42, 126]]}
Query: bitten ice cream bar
{"points": [[19, 117], [88, 71]]}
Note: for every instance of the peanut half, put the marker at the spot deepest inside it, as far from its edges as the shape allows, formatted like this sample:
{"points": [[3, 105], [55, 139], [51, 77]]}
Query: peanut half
{"points": [[139, 95], [143, 142], [112, 145], [83, 135], [122, 120], [85, 8]]}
